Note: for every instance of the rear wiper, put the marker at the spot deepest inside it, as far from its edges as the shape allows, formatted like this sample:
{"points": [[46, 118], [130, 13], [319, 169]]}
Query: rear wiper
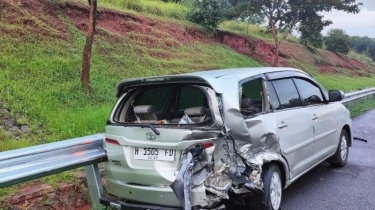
{"points": [[150, 126], [142, 125]]}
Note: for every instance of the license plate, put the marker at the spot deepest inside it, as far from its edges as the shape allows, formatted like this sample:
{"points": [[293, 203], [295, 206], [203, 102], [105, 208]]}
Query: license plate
{"points": [[141, 153]]}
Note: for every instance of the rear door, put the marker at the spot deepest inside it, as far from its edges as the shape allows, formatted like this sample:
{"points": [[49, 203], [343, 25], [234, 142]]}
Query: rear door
{"points": [[136, 153], [294, 125]]}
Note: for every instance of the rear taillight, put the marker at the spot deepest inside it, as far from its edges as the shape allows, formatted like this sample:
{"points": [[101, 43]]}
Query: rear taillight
{"points": [[111, 141], [207, 145]]}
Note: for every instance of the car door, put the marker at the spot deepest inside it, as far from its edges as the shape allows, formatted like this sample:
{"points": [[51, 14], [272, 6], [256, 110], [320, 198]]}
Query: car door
{"points": [[294, 125], [325, 142]]}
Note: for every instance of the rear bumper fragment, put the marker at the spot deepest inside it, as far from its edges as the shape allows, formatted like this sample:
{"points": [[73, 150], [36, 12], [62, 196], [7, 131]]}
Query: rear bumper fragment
{"points": [[115, 204]]}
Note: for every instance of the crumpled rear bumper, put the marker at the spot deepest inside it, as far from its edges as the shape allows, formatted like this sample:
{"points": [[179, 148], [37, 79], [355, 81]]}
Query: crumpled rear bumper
{"points": [[163, 196], [116, 204]]}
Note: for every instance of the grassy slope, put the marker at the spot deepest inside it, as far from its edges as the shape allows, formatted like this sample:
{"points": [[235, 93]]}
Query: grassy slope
{"points": [[40, 69], [40, 76], [40, 72], [341, 72]]}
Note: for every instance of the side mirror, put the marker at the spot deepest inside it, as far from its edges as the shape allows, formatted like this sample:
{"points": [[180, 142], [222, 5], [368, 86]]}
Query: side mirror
{"points": [[335, 95]]}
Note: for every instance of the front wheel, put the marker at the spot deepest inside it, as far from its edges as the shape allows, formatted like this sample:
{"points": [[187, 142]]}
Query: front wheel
{"points": [[270, 197], [340, 158]]}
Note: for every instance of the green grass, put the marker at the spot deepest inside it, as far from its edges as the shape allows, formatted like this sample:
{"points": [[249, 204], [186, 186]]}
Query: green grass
{"points": [[362, 106], [41, 79], [344, 83], [253, 31], [6, 192], [154, 7], [53, 180], [361, 57]]}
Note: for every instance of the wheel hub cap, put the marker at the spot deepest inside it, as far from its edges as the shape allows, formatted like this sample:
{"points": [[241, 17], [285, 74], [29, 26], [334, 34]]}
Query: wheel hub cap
{"points": [[275, 191], [343, 148]]}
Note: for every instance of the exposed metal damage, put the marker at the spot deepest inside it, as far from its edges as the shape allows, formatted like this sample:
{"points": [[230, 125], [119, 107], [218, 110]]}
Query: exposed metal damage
{"points": [[233, 167], [241, 150]]}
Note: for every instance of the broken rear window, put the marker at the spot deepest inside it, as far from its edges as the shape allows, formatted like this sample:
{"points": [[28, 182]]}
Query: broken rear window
{"points": [[165, 104]]}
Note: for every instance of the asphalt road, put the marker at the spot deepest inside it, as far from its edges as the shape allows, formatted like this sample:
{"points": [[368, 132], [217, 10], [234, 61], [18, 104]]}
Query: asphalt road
{"points": [[351, 187]]}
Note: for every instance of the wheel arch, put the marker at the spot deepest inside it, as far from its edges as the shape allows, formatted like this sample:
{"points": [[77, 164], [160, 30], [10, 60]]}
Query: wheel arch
{"points": [[349, 132], [283, 169]]}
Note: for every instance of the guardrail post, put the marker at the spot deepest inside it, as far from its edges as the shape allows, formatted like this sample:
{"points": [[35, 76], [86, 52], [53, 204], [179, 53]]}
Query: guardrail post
{"points": [[94, 184]]}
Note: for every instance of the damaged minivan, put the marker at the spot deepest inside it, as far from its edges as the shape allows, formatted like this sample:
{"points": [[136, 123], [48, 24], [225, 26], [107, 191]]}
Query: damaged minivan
{"points": [[231, 138]]}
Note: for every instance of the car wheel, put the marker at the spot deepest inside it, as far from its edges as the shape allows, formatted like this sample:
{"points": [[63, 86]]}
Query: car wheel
{"points": [[270, 197], [340, 158]]}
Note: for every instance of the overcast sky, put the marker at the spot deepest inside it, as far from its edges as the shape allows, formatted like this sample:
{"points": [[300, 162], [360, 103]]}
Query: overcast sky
{"points": [[361, 24]]}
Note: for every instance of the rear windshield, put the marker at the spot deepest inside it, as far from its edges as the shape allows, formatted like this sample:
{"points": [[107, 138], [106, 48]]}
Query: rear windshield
{"points": [[171, 104]]}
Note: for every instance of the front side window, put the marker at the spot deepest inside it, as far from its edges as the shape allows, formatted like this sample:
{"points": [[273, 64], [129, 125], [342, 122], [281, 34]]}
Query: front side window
{"points": [[287, 93], [310, 93], [274, 101]]}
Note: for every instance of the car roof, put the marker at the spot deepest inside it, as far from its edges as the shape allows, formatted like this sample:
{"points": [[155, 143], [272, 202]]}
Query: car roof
{"points": [[240, 73], [212, 77]]}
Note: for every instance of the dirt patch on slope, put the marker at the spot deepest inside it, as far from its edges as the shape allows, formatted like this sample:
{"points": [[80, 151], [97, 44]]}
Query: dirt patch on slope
{"points": [[257, 49], [151, 33], [158, 36], [39, 17]]}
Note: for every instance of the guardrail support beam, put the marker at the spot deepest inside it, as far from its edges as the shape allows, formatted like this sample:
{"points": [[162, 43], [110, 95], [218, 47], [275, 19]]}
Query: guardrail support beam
{"points": [[94, 183]]}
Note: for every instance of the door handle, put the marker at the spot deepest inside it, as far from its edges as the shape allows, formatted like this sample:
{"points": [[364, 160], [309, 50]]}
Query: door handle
{"points": [[283, 125], [315, 117]]}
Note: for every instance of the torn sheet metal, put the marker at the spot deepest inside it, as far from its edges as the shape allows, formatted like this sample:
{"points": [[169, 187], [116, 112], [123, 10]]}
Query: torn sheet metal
{"points": [[178, 186], [215, 112], [247, 132], [218, 184], [234, 121]]}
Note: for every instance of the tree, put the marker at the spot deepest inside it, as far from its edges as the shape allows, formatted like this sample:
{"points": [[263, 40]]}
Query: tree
{"points": [[287, 14], [85, 74], [209, 13], [310, 28], [371, 49], [337, 41], [360, 44]]}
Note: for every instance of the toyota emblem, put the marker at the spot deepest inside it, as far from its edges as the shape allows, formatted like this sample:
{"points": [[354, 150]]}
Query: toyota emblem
{"points": [[150, 136]]}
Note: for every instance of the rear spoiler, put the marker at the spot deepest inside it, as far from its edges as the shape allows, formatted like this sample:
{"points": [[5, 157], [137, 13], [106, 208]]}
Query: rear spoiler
{"points": [[178, 79]]}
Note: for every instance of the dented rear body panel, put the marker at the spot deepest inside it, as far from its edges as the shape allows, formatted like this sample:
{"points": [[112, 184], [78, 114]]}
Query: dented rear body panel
{"points": [[196, 140]]}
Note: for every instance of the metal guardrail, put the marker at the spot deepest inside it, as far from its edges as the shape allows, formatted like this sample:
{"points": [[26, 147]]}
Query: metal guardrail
{"points": [[353, 96], [20, 165]]}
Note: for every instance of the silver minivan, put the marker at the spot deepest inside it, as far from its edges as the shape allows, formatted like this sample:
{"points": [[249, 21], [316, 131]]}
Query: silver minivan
{"points": [[233, 138]]}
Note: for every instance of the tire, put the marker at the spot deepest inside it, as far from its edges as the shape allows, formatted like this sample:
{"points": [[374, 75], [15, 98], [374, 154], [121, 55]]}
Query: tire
{"points": [[270, 197], [340, 158]]}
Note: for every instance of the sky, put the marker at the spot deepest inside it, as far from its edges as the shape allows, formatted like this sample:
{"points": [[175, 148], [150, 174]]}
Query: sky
{"points": [[361, 24]]}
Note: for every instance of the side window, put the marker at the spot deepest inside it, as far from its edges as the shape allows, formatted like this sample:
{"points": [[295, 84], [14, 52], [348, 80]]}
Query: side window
{"points": [[310, 93], [275, 104], [251, 98], [154, 97], [253, 90], [287, 93], [190, 97]]}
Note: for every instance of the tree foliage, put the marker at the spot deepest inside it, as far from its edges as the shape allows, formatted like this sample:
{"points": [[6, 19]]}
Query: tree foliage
{"points": [[364, 45], [310, 28], [285, 15], [360, 44], [371, 49], [209, 13], [337, 41]]}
